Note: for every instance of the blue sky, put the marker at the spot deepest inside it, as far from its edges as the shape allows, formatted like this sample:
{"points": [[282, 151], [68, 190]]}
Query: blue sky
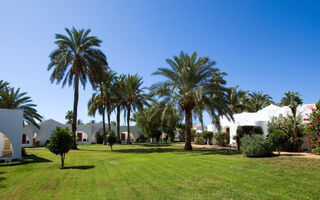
{"points": [[270, 46]]}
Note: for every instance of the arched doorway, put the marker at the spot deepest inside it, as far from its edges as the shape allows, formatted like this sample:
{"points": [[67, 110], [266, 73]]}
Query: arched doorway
{"points": [[82, 137], [6, 149], [25, 139]]}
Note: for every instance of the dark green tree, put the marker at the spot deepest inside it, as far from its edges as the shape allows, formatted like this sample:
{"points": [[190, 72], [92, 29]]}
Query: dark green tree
{"points": [[133, 96], [60, 143], [76, 59], [185, 75], [293, 100]]}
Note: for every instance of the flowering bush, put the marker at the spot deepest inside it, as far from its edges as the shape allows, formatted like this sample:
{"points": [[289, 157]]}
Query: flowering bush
{"points": [[313, 128], [286, 125]]}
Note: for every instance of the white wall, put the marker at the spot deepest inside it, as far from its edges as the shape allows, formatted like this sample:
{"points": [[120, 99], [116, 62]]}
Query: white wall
{"points": [[11, 121], [260, 118]]}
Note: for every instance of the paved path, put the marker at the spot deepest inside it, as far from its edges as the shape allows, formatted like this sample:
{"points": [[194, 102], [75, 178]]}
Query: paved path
{"points": [[295, 154]]}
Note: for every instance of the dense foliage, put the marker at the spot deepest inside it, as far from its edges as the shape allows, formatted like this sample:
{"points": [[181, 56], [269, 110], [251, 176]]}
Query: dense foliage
{"points": [[192, 83], [111, 139], [60, 142], [207, 135], [222, 138], [286, 124], [256, 146], [313, 128], [75, 60], [249, 130], [278, 138]]}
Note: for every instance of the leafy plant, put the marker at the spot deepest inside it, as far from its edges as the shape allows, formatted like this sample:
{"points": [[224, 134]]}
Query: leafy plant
{"points": [[278, 138], [207, 135], [222, 138], [249, 130], [60, 142], [256, 146], [313, 128], [111, 138]]}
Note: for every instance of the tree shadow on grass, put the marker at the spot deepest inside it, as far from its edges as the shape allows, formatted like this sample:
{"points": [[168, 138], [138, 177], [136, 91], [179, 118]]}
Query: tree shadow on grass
{"points": [[27, 160], [84, 167], [195, 152], [1, 179]]}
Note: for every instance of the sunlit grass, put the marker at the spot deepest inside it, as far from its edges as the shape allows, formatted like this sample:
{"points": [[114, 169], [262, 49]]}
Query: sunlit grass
{"points": [[158, 172]]}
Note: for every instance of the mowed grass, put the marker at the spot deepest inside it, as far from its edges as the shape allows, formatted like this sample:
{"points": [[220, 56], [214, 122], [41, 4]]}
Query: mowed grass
{"points": [[158, 172]]}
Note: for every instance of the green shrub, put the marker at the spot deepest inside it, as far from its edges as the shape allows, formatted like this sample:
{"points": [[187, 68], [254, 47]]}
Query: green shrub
{"points": [[60, 142], [141, 139], [249, 130], [278, 138], [256, 146], [222, 138], [316, 151], [199, 140], [207, 135], [111, 138], [99, 138], [293, 145]]}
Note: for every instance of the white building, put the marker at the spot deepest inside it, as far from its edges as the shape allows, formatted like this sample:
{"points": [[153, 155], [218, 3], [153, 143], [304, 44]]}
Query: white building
{"points": [[86, 134], [260, 118], [11, 122]]}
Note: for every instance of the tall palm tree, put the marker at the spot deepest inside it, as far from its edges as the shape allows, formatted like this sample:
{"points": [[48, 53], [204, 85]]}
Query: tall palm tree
{"points": [[238, 100], [213, 99], [134, 97], [3, 85], [103, 100], [184, 76], [98, 80], [258, 100], [119, 100], [293, 100], [13, 99], [75, 60], [69, 116]]}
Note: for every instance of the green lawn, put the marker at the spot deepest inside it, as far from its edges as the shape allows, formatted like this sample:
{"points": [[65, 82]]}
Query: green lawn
{"points": [[158, 172]]}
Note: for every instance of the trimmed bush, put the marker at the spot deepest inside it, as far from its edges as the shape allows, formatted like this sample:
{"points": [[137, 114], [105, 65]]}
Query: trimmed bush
{"points": [[199, 140], [222, 138], [60, 142], [278, 138], [316, 151], [99, 138], [111, 138], [207, 135], [256, 146], [249, 130]]}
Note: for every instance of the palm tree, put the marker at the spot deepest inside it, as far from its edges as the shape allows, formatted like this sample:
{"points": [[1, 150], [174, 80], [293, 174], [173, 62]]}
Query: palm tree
{"points": [[118, 90], [13, 99], [3, 85], [258, 100], [238, 100], [134, 97], [76, 59], [184, 77], [103, 101], [293, 100], [69, 116]]}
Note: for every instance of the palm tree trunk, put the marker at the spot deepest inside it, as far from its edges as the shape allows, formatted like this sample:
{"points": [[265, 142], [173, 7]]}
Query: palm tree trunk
{"points": [[109, 124], [201, 120], [294, 124], [128, 124], [75, 110], [188, 145], [103, 117], [118, 124]]}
